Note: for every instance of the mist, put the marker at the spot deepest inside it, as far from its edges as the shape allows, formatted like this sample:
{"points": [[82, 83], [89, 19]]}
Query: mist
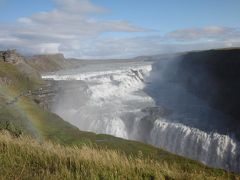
{"points": [[154, 101]]}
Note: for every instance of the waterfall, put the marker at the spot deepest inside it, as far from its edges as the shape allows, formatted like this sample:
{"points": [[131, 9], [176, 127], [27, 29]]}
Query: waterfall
{"points": [[125, 101], [211, 148]]}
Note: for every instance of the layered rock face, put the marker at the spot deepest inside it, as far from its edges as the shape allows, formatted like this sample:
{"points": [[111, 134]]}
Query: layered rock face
{"points": [[10, 56], [213, 76], [13, 57]]}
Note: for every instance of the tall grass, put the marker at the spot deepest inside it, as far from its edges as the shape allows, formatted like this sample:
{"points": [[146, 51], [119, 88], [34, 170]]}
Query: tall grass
{"points": [[25, 158]]}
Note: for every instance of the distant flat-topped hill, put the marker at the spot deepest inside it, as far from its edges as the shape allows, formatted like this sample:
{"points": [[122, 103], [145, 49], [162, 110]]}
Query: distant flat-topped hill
{"points": [[49, 63]]}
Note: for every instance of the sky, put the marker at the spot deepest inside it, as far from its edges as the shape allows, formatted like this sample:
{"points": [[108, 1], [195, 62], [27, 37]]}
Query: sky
{"points": [[95, 29]]}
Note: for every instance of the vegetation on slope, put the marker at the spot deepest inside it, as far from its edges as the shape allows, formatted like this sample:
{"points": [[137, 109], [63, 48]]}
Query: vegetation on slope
{"points": [[12, 84], [25, 158]]}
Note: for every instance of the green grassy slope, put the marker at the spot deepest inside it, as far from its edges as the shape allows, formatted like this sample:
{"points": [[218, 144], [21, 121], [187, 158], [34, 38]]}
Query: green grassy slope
{"points": [[24, 158], [25, 116]]}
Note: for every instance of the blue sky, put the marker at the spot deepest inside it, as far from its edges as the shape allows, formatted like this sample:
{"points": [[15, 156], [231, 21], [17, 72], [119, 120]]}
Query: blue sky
{"points": [[175, 14], [118, 29]]}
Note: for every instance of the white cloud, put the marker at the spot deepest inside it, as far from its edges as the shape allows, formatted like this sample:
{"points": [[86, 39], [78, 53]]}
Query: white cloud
{"points": [[71, 29], [25, 20], [206, 33], [68, 23], [138, 46]]}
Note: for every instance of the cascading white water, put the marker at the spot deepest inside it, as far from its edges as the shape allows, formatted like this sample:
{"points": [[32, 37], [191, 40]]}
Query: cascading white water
{"points": [[211, 148], [113, 94], [110, 99]]}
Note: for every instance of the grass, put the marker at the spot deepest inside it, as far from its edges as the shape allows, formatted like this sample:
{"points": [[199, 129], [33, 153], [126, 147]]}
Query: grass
{"points": [[25, 158]]}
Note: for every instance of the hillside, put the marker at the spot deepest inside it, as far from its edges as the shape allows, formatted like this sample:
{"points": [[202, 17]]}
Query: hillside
{"points": [[24, 158], [22, 116]]}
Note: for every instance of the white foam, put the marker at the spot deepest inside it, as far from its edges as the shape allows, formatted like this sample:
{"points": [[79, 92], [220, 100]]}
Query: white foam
{"points": [[211, 148], [93, 74]]}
